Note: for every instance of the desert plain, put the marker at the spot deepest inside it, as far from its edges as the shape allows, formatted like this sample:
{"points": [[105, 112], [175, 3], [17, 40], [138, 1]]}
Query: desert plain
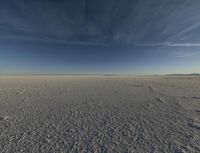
{"points": [[100, 114]]}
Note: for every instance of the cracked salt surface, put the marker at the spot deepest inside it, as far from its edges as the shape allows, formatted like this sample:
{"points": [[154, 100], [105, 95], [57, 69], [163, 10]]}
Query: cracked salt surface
{"points": [[99, 114]]}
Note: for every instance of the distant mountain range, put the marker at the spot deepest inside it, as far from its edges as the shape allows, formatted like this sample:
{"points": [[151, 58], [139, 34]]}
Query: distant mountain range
{"points": [[192, 74]]}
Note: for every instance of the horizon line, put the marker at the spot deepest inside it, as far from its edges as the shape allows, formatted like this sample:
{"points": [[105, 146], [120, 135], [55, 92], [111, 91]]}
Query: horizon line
{"points": [[93, 74]]}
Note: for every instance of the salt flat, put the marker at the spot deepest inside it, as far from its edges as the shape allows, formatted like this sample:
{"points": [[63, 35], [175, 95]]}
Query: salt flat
{"points": [[99, 114]]}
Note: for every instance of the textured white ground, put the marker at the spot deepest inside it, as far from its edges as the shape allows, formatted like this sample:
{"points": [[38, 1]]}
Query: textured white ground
{"points": [[99, 114]]}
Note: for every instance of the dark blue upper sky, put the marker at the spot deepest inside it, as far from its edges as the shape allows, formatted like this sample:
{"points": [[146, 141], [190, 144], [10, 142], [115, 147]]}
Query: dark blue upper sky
{"points": [[100, 36]]}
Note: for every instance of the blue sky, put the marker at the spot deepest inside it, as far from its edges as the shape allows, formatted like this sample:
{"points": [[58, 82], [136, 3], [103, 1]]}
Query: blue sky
{"points": [[107, 36]]}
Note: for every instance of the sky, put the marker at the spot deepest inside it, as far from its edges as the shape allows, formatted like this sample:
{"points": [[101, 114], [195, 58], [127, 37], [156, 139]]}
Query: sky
{"points": [[99, 36]]}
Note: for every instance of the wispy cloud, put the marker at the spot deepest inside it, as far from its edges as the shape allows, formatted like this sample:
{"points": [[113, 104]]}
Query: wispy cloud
{"points": [[184, 45], [188, 29], [184, 54], [116, 22], [168, 44]]}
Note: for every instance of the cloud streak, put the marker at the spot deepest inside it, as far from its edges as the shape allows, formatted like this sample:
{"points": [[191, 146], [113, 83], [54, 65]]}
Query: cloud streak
{"points": [[168, 44], [184, 54], [184, 45], [112, 21]]}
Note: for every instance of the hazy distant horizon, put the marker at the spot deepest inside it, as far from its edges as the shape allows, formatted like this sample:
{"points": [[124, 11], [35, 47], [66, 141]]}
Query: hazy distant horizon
{"points": [[93, 74]]}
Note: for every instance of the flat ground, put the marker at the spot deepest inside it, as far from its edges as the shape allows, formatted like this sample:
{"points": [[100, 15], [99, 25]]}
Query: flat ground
{"points": [[99, 114]]}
